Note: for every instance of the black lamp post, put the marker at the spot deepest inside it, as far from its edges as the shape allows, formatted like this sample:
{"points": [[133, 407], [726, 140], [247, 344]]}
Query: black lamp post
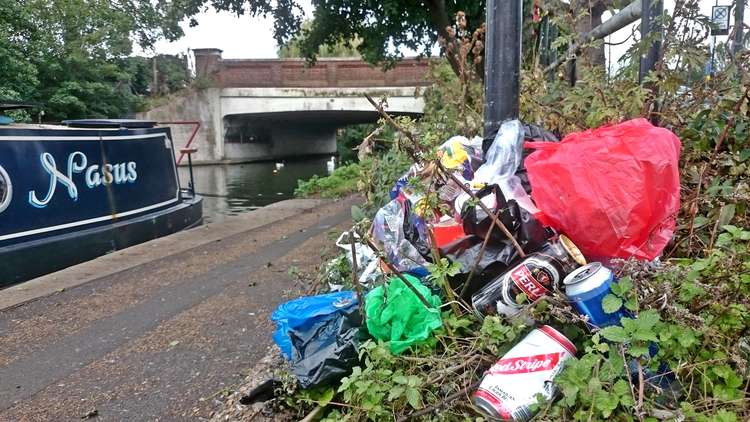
{"points": [[502, 65], [650, 11]]}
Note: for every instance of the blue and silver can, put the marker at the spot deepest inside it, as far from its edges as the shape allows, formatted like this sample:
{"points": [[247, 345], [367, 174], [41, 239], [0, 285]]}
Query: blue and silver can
{"points": [[586, 287]]}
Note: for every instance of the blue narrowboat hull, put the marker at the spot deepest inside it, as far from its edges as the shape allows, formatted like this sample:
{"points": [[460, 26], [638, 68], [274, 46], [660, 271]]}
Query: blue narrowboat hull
{"points": [[70, 195]]}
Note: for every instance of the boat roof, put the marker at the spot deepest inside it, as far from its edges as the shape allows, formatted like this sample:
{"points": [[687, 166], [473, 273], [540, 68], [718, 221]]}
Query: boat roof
{"points": [[34, 126], [110, 123], [96, 131], [99, 124], [14, 105]]}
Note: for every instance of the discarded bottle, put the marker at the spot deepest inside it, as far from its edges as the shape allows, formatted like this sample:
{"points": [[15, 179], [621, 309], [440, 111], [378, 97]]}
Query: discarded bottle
{"points": [[536, 276], [586, 287], [511, 385]]}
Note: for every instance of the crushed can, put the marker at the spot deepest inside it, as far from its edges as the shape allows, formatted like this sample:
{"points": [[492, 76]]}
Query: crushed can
{"points": [[586, 287], [536, 276], [510, 386]]}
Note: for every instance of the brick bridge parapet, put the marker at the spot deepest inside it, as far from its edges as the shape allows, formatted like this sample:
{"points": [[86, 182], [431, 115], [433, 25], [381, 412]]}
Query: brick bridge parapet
{"points": [[294, 73]]}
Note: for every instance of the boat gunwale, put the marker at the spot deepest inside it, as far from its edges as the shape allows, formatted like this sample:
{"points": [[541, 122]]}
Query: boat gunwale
{"points": [[64, 133]]}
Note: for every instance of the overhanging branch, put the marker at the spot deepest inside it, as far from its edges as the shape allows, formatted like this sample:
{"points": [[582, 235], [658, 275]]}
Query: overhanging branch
{"points": [[624, 17]]}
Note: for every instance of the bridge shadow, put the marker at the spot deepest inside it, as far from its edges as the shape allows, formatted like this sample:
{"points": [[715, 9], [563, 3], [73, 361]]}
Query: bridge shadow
{"points": [[289, 134]]}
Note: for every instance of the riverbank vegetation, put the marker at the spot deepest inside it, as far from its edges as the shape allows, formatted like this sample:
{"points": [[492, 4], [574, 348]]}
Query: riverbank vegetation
{"points": [[693, 304], [73, 59]]}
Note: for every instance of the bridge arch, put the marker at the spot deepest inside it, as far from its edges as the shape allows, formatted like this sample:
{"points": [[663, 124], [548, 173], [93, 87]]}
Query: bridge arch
{"points": [[279, 108]]}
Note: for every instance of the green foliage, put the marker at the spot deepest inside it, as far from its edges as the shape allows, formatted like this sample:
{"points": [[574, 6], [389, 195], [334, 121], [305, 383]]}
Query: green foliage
{"points": [[389, 23], [348, 138], [71, 57], [594, 387], [496, 336], [376, 388], [343, 181], [338, 271], [451, 107], [559, 107], [442, 270], [379, 173], [293, 49]]}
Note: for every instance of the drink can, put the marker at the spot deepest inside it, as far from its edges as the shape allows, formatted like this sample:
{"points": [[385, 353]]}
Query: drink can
{"points": [[536, 276], [510, 386], [586, 287]]}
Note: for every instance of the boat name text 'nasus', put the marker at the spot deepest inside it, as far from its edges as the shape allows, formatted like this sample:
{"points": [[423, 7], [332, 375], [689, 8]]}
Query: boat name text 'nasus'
{"points": [[94, 175]]}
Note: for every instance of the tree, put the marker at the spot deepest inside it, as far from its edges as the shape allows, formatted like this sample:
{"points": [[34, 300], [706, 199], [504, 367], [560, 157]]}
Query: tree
{"points": [[387, 24], [382, 26], [293, 48], [18, 78], [72, 56]]}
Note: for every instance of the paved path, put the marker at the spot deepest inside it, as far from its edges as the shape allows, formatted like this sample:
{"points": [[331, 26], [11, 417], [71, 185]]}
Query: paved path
{"points": [[159, 339]]}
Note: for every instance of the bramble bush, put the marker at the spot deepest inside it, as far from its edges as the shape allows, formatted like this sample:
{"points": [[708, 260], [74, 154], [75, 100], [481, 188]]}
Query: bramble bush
{"points": [[688, 312]]}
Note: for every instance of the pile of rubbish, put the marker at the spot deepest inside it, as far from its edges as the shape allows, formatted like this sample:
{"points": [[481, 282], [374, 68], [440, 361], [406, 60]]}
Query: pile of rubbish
{"points": [[521, 214]]}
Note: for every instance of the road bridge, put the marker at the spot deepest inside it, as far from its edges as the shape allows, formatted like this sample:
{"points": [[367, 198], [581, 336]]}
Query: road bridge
{"points": [[262, 109]]}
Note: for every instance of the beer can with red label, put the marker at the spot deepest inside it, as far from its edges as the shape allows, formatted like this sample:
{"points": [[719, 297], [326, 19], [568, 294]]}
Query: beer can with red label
{"points": [[536, 276], [511, 385]]}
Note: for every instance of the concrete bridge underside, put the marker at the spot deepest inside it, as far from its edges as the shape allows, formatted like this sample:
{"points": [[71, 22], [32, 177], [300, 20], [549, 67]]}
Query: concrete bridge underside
{"points": [[252, 124]]}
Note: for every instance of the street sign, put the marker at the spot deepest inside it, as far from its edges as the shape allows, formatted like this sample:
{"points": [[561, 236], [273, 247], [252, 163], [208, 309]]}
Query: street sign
{"points": [[720, 20]]}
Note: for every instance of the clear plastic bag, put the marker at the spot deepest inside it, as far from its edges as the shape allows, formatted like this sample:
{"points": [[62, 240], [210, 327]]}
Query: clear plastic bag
{"points": [[367, 264], [388, 229], [504, 156]]}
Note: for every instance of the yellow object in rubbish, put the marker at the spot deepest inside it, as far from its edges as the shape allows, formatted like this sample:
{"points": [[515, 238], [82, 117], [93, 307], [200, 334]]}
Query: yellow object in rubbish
{"points": [[453, 155]]}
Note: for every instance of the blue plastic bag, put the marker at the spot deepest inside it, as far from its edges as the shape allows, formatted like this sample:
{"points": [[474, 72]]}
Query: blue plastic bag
{"points": [[307, 310]]}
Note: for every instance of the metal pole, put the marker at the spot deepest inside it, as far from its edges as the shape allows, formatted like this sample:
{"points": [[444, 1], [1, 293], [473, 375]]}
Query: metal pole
{"points": [[192, 179], [711, 65], [572, 69], [713, 49], [545, 44], [552, 54], [739, 22], [502, 67], [155, 87], [650, 11]]}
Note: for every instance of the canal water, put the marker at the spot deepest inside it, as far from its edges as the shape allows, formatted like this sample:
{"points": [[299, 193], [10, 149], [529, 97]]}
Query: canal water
{"points": [[236, 188]]}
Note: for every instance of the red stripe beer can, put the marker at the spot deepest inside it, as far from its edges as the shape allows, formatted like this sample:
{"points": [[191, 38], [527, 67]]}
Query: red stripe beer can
{"points": [[510, 386]]}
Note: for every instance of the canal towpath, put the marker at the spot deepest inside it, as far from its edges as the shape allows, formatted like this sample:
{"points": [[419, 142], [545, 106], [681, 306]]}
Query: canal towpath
{"points": [[161, 330]]}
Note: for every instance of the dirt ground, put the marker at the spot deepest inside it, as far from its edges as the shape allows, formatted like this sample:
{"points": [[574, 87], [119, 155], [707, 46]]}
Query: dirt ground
{"points": [[166, 340]]}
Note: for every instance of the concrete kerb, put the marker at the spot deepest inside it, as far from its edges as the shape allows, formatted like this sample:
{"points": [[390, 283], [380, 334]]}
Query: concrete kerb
{"points": [[153, 250]]}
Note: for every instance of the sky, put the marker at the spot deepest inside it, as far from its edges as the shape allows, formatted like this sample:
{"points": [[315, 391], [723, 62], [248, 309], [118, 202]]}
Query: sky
{"points": [[240, 37], [245, 37], [619, 50]]}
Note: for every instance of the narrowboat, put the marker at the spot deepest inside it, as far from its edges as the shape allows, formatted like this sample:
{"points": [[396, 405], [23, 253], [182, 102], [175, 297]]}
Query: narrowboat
{"points": [[72, 192]]}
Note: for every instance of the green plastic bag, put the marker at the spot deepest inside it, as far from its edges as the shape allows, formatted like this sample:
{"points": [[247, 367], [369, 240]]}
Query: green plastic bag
{"points": [[402, 319]]}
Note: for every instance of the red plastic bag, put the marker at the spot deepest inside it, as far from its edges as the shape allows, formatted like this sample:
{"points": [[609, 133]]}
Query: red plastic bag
{"points": [[615, 190]]}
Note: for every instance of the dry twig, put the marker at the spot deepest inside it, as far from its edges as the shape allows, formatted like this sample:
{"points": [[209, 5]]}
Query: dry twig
{"points": [[355, 279], [448, 400]]}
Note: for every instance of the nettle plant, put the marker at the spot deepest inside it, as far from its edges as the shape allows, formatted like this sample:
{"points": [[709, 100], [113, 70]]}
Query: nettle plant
{"points": [[691, 328]]}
